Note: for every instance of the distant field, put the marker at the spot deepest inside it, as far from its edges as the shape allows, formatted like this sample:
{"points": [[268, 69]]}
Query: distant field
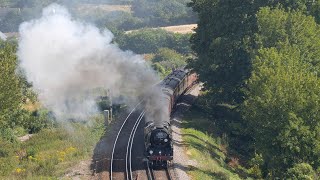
{"points": [[182, 29], [104, 7]]}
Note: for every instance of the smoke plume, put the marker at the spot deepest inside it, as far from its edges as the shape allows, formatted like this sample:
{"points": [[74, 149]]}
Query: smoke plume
{"points": [[66, 60]]}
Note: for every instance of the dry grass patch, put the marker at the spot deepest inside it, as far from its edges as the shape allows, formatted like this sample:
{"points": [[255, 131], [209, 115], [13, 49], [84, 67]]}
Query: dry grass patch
{"points": [[103, 7], [181, 29]]}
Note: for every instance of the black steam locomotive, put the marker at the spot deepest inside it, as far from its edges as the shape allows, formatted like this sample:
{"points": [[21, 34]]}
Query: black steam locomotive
{"points": [[158, 133]]}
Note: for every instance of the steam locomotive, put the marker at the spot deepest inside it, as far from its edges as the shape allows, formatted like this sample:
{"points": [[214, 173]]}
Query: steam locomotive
{"points": [[158, 133]]}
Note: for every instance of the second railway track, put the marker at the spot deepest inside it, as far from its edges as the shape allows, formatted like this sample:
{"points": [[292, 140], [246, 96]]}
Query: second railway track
{"points": [[121, 157]]}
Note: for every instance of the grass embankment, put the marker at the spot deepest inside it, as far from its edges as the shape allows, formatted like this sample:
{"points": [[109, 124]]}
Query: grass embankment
{"points": [[49, 153], [207, 148]]}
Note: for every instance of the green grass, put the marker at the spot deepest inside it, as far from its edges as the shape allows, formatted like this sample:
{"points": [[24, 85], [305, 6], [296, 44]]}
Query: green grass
{"points": [[208, 149], [49, 153]]}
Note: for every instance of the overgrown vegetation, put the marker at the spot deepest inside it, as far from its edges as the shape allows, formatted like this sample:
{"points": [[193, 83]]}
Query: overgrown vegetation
{"points": [[208, 148], [50, 152]]}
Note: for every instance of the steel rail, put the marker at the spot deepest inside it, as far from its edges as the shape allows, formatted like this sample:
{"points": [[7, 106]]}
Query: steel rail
{"points": [[168, 174], [130, 152], [115, 142], [149, 172], [130, 141]]}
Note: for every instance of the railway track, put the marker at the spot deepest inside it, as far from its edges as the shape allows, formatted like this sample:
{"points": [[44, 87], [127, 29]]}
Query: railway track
{"points": [[121, 165], [121, 156], [162, 174]]}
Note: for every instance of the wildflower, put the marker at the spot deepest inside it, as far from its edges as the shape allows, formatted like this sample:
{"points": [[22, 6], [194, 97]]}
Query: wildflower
{"points": [[62, 153], [71, 149], [18, 170]]}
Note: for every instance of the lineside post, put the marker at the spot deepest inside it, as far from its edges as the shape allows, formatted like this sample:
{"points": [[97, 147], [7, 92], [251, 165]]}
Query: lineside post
{"points": [[106, 114]]}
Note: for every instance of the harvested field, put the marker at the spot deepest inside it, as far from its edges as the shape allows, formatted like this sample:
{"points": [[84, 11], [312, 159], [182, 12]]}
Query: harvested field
{"points": [[103, 7], [181, 29]]}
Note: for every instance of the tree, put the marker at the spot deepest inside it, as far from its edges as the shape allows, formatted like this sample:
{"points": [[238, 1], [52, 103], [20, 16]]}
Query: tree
{"points": [[267, 64], [150, 40], [163, 12], [301, 171], [221, 44], [282, 109], [224, 40], [10, 89], [278, 28]]}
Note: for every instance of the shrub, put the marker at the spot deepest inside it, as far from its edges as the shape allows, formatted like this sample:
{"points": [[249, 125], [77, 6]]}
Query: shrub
{"points": [[301, 171], [151, 40]]}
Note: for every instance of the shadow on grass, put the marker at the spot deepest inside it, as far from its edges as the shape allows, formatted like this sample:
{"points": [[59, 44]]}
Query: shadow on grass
{"points": [[198, 121], [214, 175], [208, 146]]}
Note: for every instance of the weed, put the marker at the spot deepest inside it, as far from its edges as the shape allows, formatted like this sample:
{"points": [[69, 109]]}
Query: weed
{"points": [[48, 153]]}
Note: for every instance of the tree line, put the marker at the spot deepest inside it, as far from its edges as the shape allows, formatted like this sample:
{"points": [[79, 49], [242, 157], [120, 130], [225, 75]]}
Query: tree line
{"points": [[259, 62], [144, 13]]}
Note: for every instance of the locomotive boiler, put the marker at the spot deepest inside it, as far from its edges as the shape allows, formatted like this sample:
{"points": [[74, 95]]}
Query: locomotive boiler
{"points": [[157, 130]]}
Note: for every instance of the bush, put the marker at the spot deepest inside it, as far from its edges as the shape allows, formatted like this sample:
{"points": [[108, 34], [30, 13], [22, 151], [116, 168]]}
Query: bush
{"points": [[164, 12], [169, 58], [301, 171], [7, 134], [151, 40]]}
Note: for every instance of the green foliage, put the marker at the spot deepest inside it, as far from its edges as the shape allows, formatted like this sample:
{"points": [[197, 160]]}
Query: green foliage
{"points": [[278, 28], [167, 59], [224, 40], [315, 10], [301, 171], [223, 62], [265, 63], [150, 40], [49, 152], [163, 12], [7, 134], [10, 89], [207, 148], [282, 109]]}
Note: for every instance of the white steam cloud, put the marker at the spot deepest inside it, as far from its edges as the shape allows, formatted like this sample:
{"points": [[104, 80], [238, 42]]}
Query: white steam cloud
{"points": [[66, 59], [3, 36]]}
